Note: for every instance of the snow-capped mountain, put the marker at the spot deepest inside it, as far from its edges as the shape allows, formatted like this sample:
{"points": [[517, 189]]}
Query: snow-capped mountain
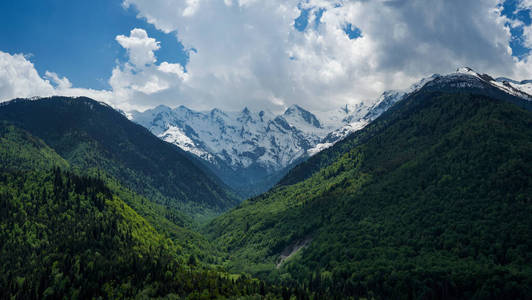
{"points": [[467, 77], [240, 139], [250, 148], [244, 148], [357, 117], [463, 78], [250, 151]]}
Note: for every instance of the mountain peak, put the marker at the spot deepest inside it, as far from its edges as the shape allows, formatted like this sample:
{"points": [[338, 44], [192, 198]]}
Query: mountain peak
{"points": [[161, 108], [295, 111], [183, 108], [465, 70], [345, 109], [245, 115], [217, 112]]}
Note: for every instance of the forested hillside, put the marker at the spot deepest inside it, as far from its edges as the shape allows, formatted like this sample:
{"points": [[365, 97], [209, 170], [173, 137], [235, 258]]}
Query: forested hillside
{"points": [[22, 152], [432, 200], [65, 236], [69, 236], [91, 135]]}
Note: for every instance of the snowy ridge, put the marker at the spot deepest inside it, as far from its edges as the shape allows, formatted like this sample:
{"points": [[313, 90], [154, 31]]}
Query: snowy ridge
{"points": [[357, 117], [521, 89], [249, 150], [261, 139], [239, 139], [246, 138]]}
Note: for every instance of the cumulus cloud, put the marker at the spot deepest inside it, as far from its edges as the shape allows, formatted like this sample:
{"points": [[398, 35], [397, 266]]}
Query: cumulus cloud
{"points": [[62, 83], [525, 4], [18, 78], [138, 83], [141, 82], [139, 47], [249, 53]]}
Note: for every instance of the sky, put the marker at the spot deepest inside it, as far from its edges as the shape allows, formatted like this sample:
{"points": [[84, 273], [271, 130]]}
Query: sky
{"points": [[263, 54]]}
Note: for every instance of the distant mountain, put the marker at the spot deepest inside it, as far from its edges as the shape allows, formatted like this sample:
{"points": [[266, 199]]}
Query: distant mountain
{"points": [[243, 148], [92, 136], [431, 200], [250, 151]]}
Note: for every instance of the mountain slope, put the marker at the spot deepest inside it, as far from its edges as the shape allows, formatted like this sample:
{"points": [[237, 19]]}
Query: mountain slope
{"points": [[66, 236], [431, 200], [90, 135], [21, 151], [251, 151], [463, 80]]}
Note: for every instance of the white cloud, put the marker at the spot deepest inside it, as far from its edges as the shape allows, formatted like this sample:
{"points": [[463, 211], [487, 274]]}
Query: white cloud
{"points": [[139, 47], [192, 7], [527, 36], [248, 53], [62, 83], [176, 69], [18, 78], [525, 4], [251, 54], [141, 82], [135, 84]]}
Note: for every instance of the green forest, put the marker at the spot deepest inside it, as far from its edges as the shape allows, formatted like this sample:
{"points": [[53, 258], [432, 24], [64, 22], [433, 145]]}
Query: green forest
{"points": [[93, 136], [71, 236], [433, 200], [66, 236]]}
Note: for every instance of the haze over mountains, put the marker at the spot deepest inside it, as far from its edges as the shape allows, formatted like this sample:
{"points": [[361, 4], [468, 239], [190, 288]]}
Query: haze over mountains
{"points": [[250, 150]]}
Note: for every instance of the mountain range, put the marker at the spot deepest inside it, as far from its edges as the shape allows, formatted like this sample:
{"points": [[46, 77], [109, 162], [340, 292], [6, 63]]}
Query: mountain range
{"points": [[420, 194], [251, 151]]}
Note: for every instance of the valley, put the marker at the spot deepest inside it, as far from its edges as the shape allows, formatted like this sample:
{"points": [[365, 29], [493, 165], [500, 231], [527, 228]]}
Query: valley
{"points": [[266, 150], [422, 193]]}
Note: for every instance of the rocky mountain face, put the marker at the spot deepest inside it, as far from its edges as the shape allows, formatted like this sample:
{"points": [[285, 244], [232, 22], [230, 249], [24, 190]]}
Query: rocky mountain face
{"points": [[250, 151]]}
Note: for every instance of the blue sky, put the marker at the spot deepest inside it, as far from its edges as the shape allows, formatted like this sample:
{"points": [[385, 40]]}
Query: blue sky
{"points": [[76, 39], [320, 54], [511, 11]]}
